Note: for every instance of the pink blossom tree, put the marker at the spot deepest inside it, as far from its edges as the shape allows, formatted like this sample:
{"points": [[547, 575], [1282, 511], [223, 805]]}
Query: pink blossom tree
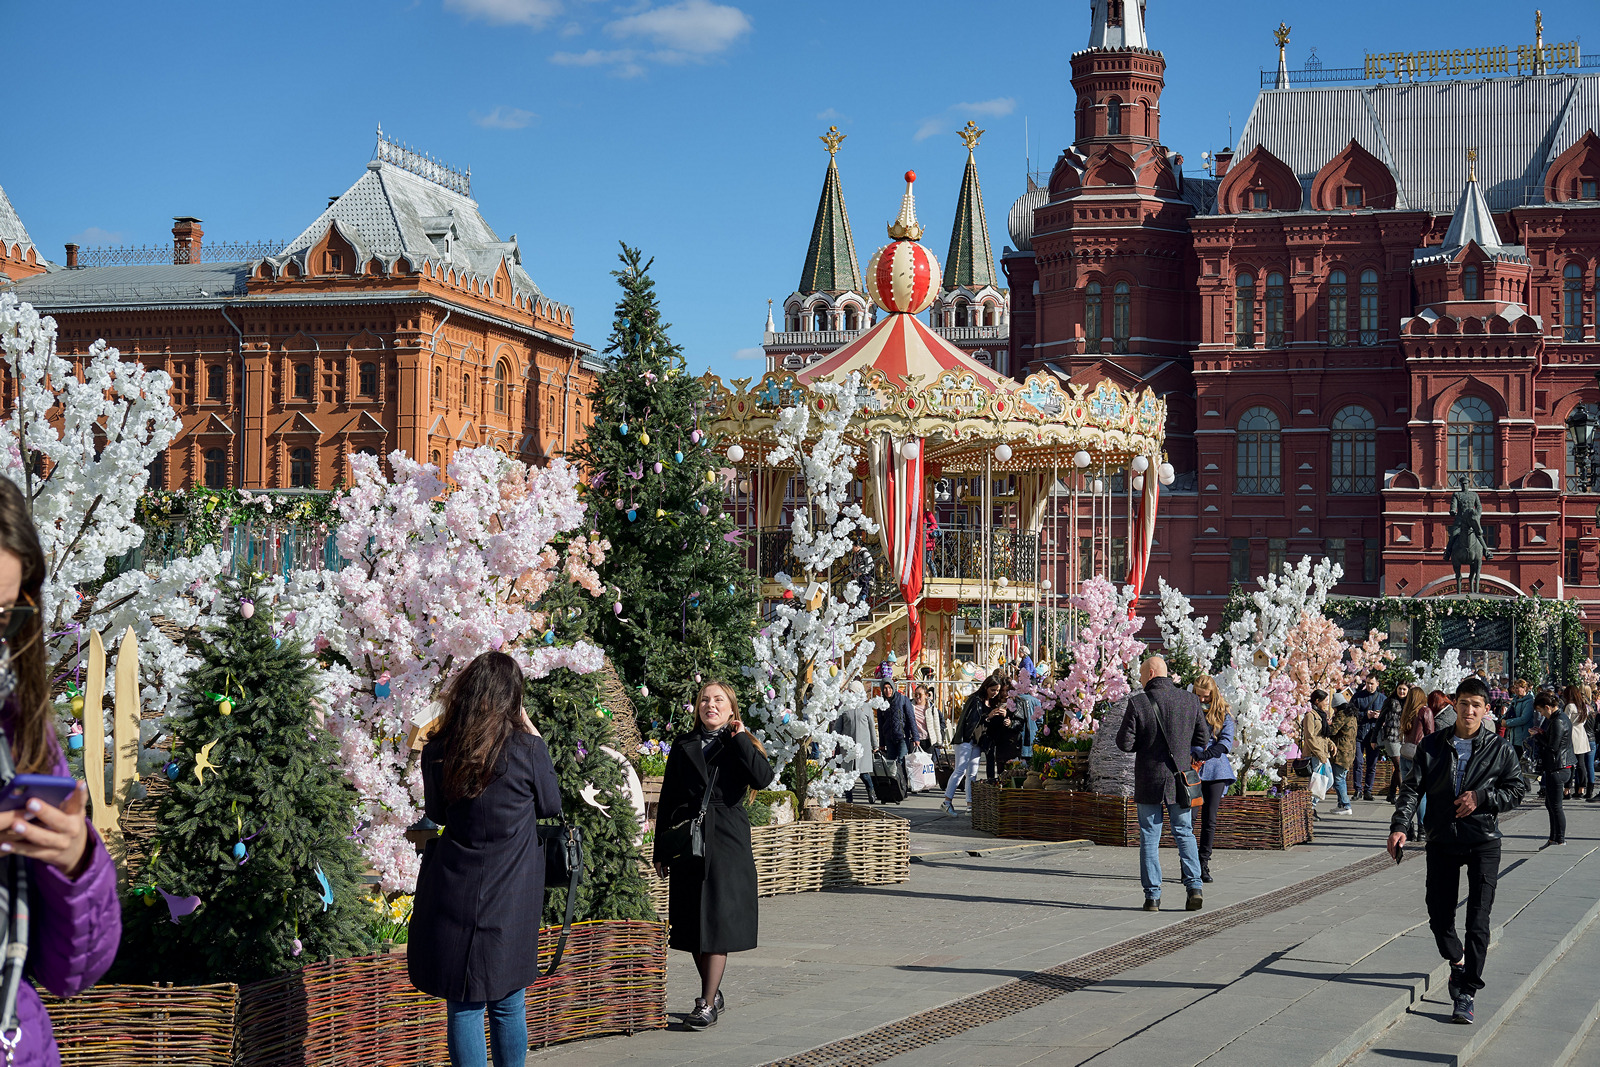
{"points": [[437, 578], [1103, 657]]}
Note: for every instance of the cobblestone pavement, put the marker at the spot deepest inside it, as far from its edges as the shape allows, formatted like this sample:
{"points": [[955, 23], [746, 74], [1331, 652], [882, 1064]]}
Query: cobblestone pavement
{"points": [[834, 966]]}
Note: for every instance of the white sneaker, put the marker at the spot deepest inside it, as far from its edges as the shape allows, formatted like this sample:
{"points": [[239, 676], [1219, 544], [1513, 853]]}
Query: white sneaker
{"points": [[949, 808], [1344, 811]]}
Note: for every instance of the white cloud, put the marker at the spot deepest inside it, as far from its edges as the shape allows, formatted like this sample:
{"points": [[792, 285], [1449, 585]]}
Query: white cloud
{"points": [[624, 62], [749, 353], [830, 115], [690, 28], [533, 13], [505, 118], [94, 235], [999, 107]]}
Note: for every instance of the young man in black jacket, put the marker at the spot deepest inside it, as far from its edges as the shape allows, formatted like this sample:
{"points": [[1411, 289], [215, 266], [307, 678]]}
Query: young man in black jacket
{"points": [[1469, 775]]}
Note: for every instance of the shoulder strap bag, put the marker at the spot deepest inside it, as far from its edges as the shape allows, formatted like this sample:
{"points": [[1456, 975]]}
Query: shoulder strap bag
{"points": [[563, 864], [685, 838], [1186, 780]]}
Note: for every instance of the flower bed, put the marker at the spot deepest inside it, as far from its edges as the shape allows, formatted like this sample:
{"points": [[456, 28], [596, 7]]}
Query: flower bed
{"points": [[858, 846], [1242, 822], [360, 1011]]}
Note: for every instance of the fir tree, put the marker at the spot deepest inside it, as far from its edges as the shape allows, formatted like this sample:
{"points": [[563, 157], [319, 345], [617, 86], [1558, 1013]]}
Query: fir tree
{"points": [[688, 603], [250, 835], [577, 729]]}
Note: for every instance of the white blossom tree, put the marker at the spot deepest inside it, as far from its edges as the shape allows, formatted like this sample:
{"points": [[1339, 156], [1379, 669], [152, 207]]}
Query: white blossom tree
{"points": [[806, 656], [1443, 675]]}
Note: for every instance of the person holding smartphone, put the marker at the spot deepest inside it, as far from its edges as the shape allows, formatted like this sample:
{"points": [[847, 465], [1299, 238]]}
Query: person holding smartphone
{"points": [[74, 922], [1469, 775]]}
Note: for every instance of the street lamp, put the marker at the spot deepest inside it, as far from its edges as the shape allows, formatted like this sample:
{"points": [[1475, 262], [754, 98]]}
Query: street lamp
{"points": [[1581, 427]]}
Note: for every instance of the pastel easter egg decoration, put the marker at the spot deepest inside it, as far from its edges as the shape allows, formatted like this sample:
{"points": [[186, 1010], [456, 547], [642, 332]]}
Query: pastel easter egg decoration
{"points": [[697, 677], [172, 771], [622, 428], [295, 947], [246, 609], [644, 690], [621, 506], [677, 457], [616, 609], [694, 437], [644, 439], [75, 742], [704, 511], [77, 706], [381, 690], [656, 466], [225, 706], [549, 637], [633, 515], [239, 851], [661, 513], [833, 670]]}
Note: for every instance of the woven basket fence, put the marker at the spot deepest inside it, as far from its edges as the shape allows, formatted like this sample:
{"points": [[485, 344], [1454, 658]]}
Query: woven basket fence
{"points": [[986, 807], [1248, 822], [361, 1012]]}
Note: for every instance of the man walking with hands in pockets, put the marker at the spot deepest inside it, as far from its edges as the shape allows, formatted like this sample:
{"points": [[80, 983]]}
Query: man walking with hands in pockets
{"points": [[1469, 775]]}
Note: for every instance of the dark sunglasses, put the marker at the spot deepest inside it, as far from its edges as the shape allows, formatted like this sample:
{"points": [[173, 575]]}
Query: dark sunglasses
{"points": [[13, 619]]}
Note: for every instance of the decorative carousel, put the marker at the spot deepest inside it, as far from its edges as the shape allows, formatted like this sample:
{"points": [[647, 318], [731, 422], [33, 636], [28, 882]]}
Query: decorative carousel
{"points": [[960, 467]]}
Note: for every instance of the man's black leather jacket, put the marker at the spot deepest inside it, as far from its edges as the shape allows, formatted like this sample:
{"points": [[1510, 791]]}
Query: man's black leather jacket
{"points": [[1493, 774]]}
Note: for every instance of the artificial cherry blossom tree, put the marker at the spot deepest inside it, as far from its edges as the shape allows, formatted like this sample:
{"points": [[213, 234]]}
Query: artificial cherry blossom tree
{"points": [[1443, 675], [1104, 657], [807, 655], [432, 583]]}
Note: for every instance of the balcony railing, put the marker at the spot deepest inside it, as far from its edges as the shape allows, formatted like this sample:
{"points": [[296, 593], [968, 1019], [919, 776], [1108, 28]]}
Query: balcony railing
{"points": [[957, 555]]}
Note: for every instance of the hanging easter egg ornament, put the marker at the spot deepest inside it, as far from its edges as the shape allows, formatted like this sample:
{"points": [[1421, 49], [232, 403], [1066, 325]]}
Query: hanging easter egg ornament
{"points": [[225, 706], [77, 706], [694, 437], [247, 609], [644, 439], [677, 457], [622, 428], [661, 513], [704, 511], [633, 515], [549, 637], [239, 851], [644, 690], [381, 690], [172, 771]]}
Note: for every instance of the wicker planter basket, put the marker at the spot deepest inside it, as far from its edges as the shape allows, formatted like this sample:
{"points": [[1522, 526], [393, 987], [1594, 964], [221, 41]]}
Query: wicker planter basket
{"points": [[860, 846], [986, 806], [361, 1011], [1242, 822]]}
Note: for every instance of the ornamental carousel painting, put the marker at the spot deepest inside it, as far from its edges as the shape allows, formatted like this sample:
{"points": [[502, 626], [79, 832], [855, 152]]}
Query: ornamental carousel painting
{"points": [[958, 465]]}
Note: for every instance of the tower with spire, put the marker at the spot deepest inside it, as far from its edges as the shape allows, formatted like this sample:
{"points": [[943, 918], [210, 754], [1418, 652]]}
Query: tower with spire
{"points": [[18, 257], [830, 305], [972, 310]]}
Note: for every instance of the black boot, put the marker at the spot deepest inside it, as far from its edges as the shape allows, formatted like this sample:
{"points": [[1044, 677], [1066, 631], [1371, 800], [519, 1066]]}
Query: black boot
{"points": [[1205, 870]]}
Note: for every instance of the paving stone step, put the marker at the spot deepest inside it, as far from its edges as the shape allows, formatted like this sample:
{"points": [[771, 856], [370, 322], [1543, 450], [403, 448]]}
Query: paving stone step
{"points": [[1557, 1018], [1536, 931]]}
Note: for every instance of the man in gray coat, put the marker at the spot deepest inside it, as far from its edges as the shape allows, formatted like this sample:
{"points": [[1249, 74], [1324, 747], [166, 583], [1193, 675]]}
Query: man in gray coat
{"points": [[1160, 714]]}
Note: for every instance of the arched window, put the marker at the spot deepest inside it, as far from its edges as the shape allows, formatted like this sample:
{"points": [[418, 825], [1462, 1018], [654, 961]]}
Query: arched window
{"points": [[1259, 467], [216, 382], [1469, 282], [1369, 307], [961, 313], [1244, 311], [1113, 117], [466, 390], [1274, 310], [437, 460], [852, 317], [500, 386], [302, 469], [1355, 451], [820, 319], [1471, 442], [438, 378], [1121, 317], [216, 468], [1572, 303], [302, 381], [1338, 309], [369, 379], [1091, 317]]}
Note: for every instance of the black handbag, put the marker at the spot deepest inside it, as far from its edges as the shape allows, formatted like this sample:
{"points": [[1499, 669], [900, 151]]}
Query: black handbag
{"points": [[1185, 780], [685, 838], [563, 865]]}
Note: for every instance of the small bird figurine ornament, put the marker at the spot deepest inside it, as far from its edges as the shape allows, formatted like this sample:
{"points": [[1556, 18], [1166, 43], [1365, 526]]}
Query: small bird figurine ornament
{"points": [[591, 796], [202, 762], [327, 890], [178, 907]]}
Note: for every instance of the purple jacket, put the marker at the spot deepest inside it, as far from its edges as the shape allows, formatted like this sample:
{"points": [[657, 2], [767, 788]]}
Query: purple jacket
{"points": [[76, 925]]}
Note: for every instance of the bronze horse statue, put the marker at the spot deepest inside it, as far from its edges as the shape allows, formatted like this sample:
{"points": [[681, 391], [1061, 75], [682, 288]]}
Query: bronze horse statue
{"points": [[1467, 544]]}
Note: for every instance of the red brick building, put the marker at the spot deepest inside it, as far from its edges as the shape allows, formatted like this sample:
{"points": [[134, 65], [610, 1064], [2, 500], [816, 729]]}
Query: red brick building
{"points": [[1381, 288], [397, 319]]}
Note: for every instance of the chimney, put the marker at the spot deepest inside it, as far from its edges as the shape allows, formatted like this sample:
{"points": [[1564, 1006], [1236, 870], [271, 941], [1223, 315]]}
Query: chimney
{"points": [[1221, 162], [186, 234], [72, 257]]}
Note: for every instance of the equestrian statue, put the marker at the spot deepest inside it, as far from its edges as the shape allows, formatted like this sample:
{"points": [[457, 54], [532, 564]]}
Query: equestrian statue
{"points": [[1466, 545]]}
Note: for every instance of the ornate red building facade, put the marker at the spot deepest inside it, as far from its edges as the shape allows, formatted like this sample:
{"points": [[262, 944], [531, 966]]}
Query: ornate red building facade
{"points": [[1382, 289]]}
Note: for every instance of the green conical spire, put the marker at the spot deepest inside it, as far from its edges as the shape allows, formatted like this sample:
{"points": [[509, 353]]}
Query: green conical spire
{"points": [[831, 258], [971, 259]]}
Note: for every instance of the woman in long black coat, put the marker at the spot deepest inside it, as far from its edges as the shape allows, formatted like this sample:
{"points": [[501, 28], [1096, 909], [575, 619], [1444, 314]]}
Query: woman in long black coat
{"points": [[712, 899], [474, 941]]}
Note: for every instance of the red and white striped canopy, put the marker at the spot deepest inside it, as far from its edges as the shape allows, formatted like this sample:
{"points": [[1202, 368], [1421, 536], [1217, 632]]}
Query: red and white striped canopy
{"points": [[902, 345]]}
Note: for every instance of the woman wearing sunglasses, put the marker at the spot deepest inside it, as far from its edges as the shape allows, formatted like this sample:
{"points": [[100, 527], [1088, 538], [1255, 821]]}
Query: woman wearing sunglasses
{"points": [[50, 857]]}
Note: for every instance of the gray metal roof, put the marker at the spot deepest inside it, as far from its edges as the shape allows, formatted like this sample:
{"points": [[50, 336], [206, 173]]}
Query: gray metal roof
{"points": [[12, 232], [390, 212], [1423, 130], [189, 284], [1472, 222]]}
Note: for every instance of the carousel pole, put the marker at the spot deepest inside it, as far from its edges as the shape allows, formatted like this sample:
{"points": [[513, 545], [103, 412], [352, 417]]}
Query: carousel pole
{"points": [[1128, 541], [986, 523]]}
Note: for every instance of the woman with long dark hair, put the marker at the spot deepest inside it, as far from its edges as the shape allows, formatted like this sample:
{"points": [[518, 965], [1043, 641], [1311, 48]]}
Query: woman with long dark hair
{"points": [[1578, 711], [74, 923], [711, 904], [968, 750], [1416, 723], [488, 780]]}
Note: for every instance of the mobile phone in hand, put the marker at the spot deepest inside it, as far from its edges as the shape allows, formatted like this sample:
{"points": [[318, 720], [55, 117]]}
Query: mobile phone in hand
{"points": [[1400, 853], [45, 787]]}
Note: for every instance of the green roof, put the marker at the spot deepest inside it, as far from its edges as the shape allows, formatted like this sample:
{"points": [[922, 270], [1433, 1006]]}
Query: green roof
{"points": [[971, 259], [831, 258]]}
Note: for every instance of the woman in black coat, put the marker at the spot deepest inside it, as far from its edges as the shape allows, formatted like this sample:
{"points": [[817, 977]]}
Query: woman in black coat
{"points": [[487, 779], [712, 899]]}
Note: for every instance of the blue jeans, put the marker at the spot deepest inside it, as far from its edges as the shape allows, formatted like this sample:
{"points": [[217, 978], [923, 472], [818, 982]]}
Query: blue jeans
{"points": [[1340, 786], [1150, 816], [508, 1031]]}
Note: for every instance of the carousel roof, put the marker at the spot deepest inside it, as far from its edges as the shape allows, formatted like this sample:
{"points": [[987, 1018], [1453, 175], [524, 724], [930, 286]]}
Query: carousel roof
{"points": [[901, 347]]}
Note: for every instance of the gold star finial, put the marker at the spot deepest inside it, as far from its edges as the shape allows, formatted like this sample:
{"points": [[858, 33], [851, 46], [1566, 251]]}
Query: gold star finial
{"points": [[1472, 164], [1281, 34], [833, 139], [969, 135]]}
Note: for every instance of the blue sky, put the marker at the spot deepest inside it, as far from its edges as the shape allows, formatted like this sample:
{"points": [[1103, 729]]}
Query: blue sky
{"points": [[686, 127]]}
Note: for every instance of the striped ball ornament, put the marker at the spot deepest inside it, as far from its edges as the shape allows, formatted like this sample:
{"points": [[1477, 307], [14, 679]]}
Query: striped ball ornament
{"points": [[903, 277]]}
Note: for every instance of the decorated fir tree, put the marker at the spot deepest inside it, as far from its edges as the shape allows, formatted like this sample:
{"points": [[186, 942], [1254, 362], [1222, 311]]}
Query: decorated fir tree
{"points": [[656, 491], [595, 797], [253, 872]]}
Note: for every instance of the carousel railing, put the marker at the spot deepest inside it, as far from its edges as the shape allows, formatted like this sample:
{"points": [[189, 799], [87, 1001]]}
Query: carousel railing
{"points": [[776, 553], [956, 555]]}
